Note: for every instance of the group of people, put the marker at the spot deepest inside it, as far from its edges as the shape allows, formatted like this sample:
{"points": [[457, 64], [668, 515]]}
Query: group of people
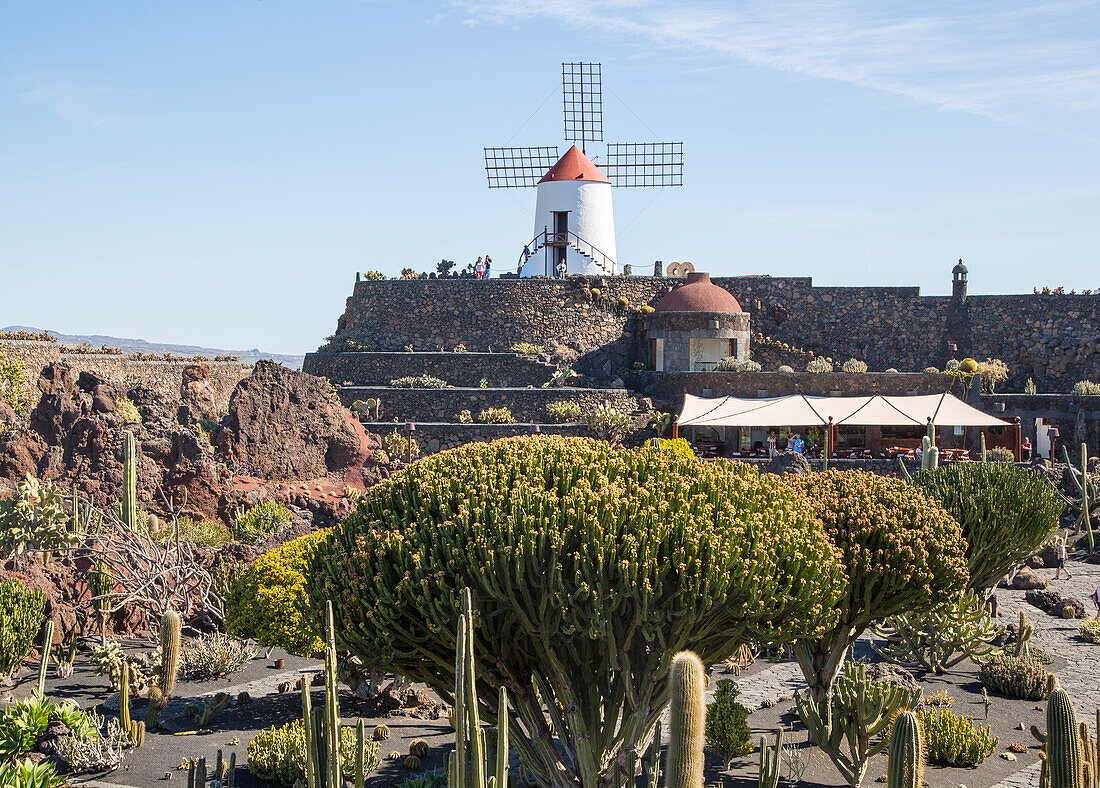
{"points": [[483, 267], [795, 443]]}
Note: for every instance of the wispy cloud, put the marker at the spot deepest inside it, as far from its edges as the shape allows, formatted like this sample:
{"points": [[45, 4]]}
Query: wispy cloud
{"points": [[1028, 63], [96, 107]]}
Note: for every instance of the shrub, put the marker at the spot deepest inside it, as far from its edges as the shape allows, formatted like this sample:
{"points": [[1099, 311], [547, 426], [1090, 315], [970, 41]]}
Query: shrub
{"points": [[279, 754], [127, 410], [527, 349], [418, 382], [496, 416], [607, 422], [1090, 630], [213, 656], [396, 444], [902, 554], [1000, 454], [679, 446], [953, 740], [23, 722], [13, 381], [204, 533], [819, 365], [1014, 677], [433, 778], [28, 774], [731, 364], [931, 371], [727, 728], [1086, 387], [579, 555], [564, 411], [35, 519], [373, 276], [464, 417], [993, 372], [854, 366], [261, 521], [940, 638], [1005, 512], [265, 602], [21, 616], [560, 377]]}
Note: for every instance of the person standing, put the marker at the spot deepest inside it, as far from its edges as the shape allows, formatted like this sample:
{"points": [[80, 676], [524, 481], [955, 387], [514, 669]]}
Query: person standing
{"points": [[1060, 554], [488, 265], [1025, 450], [797, 444], [479, 269], [771, 445]]}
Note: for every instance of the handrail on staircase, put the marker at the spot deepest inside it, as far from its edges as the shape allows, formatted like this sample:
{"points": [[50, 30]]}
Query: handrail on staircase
{"points": [[567, 238]]}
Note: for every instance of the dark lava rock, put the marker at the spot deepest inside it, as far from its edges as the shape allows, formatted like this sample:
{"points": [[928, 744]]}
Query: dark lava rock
{"points": [[1048, 601], [885, 673], [787, 462], [284, 424], [1025, 579]]}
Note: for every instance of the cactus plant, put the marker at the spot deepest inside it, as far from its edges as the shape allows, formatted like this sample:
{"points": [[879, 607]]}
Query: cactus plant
{"points": [[1086, 490], [770, 761], [419, 748], [169, 667], [411, 762], [684, 760], [360, 754], [100, 586], [129, 509], [1064, 763], [136, 729], [381, 733], [311, 766], [124, 695], [332, 705], [47, 644], [1024, 631], [905, 765]]}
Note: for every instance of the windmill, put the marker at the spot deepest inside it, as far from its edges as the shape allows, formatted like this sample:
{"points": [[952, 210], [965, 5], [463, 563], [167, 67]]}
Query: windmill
{"points": [[574, 221]]}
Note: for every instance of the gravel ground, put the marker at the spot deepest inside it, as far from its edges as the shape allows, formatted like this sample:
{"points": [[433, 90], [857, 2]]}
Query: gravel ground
{"points": [[1076, 665]]}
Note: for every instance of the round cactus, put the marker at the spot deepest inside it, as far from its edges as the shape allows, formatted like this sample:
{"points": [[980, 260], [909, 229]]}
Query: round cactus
{"points": [[419, 748], [412, 762], [968, 365], [393, 755], [1069, 612], [381, 733]]}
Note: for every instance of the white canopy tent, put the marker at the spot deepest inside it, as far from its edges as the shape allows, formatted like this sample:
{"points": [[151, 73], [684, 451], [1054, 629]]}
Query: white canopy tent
{"points": [[942, 410]]}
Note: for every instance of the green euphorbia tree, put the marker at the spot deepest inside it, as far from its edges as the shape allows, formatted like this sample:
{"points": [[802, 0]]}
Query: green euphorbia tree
{"points": [[902, 553], [589, 568], [1005, 512]]}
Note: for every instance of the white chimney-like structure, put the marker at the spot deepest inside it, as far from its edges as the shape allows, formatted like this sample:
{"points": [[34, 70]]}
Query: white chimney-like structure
{"points": [[574, 221]]}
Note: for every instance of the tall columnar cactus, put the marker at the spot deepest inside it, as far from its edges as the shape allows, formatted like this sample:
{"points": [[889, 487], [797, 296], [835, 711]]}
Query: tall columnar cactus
{"points": [[169, 667], [332, 706], [469, 764], [129, 481], [360, 754], [1086, 490], [905, 768], [124, 696], [99, 586], [1024, 632], [985, 456], [1064, 763], [770, 761], [930, 457], [684, 762], [47, 645], [311, 745]]}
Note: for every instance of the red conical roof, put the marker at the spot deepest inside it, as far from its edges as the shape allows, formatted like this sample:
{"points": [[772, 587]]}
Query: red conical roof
{"points": [[698, 294], [574, 166]]}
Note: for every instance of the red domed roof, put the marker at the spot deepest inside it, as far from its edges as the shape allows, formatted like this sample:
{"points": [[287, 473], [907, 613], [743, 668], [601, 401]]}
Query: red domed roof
{"points": [[698, 294], [574, 166]]}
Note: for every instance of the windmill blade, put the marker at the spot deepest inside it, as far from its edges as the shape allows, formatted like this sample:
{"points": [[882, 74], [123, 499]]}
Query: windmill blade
{"points": [[635, 164], [515, 168], [582, 102]]}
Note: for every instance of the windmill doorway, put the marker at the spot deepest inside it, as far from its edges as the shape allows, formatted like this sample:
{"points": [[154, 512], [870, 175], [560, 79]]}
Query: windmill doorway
{"points": [[560, 243]]}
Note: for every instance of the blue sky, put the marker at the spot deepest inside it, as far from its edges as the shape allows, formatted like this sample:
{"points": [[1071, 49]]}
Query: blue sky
{"points": [[214, 172]]}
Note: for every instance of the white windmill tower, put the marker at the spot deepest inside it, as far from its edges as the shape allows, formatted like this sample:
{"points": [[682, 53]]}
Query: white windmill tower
{"points": [[574, 220]]}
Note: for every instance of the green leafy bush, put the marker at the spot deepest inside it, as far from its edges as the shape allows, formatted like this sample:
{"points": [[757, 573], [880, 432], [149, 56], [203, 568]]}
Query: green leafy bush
{"points": [[418, 382], [21, 616], [564, 411], [213, 656], [953, 740], [1000, 454], [204, 533], [527, 349], [607, 422], [1006, 513], [902, 553], [1014, 677], [27, 774], [1090, 630], [279, 754], [265, 602], [261, 521], [727, 727], [579, 558], [396, 444], [13, 381], [496, 416], [23, 722], [35, 519], [680, 446], [127, 410]]}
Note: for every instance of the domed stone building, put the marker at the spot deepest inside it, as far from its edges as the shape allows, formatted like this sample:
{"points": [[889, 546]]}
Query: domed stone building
{"points": [[695, 326]]}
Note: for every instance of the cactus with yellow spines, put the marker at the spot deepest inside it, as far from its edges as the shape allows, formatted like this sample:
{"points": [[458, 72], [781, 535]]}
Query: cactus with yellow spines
{"points": [[124, 696], [170, 625], [44, 663], [684, 760], [129, 508], [905, 764], [1068, 754]]}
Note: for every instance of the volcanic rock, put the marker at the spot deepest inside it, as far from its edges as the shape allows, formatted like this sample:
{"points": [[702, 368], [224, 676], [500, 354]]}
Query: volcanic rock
{"points": [[885, 673], [787, 463], [1025, 579]]}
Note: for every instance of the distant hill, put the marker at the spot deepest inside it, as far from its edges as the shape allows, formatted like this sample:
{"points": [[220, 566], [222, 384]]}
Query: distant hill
{"points": [[141, 346]]}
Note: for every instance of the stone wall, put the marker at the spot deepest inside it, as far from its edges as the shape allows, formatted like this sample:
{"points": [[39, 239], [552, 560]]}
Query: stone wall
{"points": [[458, 369], [528, 405], [433, 438], [667, 389], [33, 354], [1077, 418], [1052, 339]]}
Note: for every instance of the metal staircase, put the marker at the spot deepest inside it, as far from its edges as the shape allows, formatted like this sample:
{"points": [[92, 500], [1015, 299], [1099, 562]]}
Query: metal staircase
{"points": [[547, 241]]}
